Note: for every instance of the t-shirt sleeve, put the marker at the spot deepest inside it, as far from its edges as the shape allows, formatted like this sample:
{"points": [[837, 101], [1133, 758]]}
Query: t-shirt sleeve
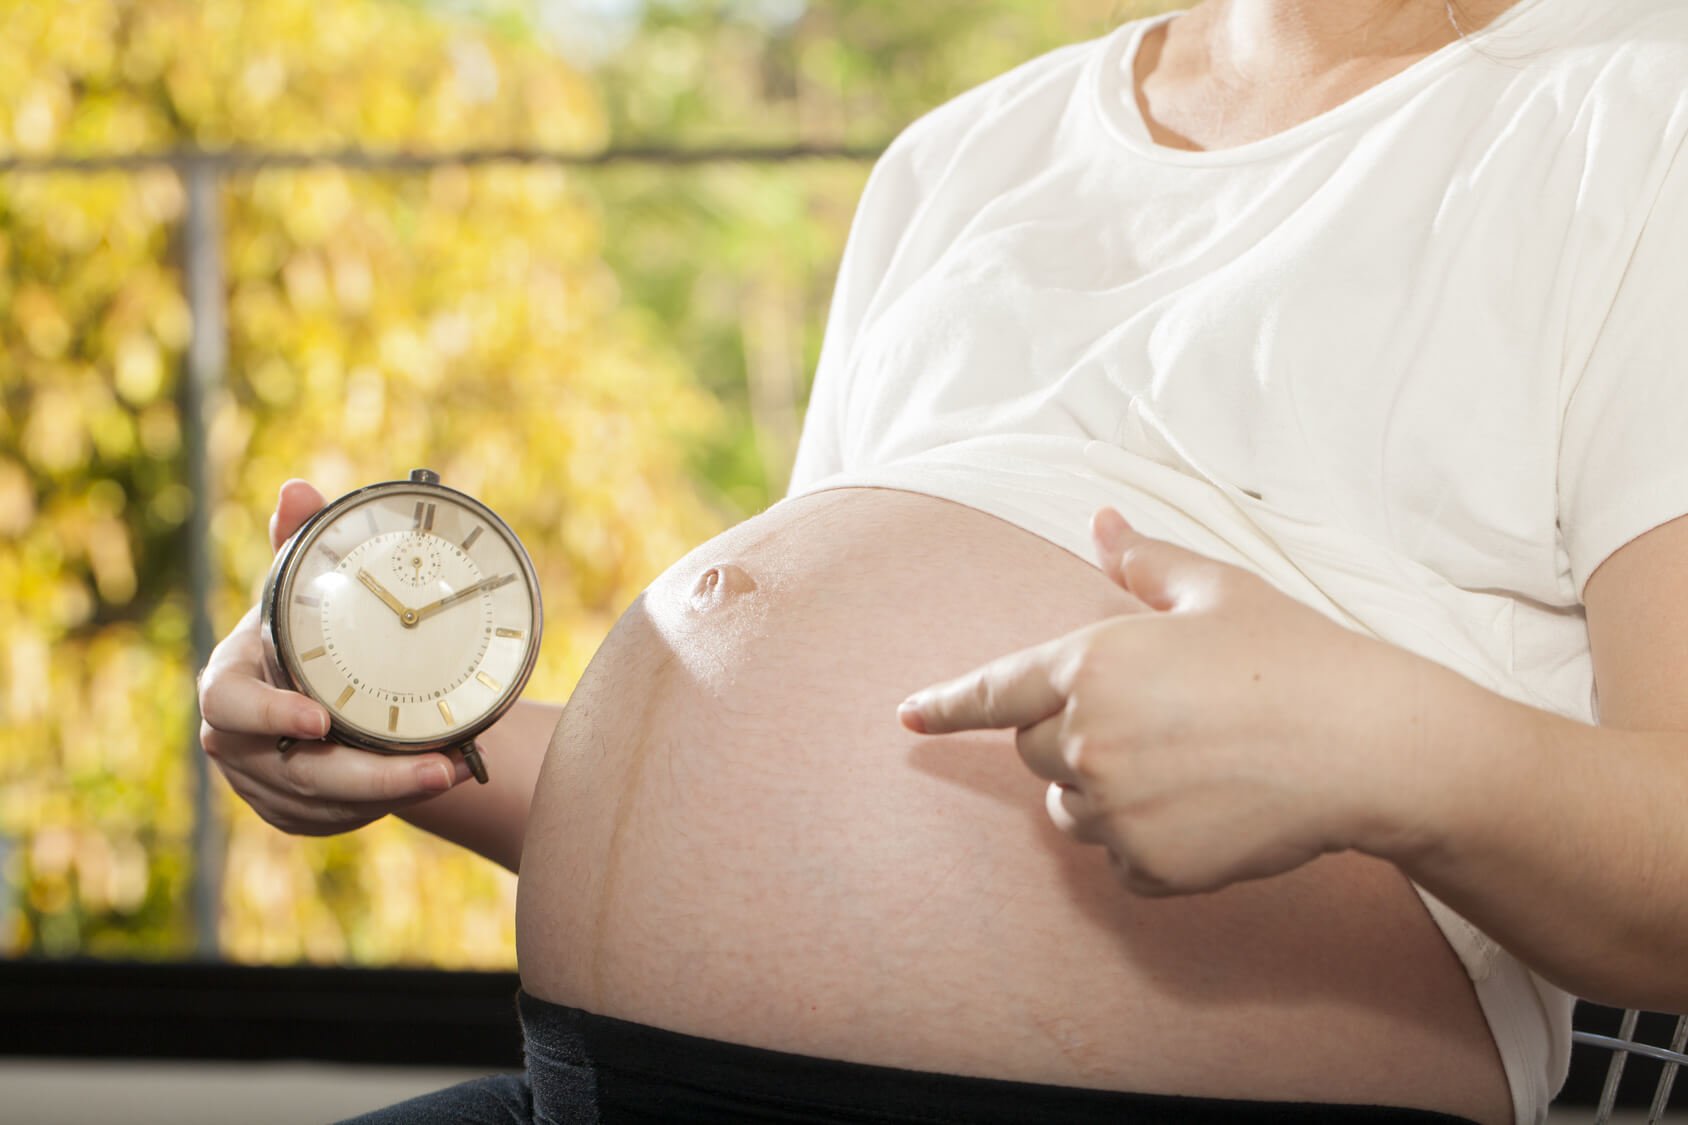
{"points": [[883, 212], [907, 178], [1623, 454]]}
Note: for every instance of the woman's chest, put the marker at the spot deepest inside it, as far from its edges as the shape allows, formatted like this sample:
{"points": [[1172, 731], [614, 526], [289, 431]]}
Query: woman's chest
{"points": [[1386, 360]]}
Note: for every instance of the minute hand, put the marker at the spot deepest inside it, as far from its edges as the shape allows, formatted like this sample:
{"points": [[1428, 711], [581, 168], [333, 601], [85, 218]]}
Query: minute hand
{"points": [[451, 599]]}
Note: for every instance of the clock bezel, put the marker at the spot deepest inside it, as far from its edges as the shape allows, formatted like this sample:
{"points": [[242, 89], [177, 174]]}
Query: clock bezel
{"points": [[280, 656]]}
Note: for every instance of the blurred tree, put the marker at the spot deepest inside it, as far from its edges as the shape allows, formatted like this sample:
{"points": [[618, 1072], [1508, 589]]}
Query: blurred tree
{"points": [[615, 359], [462, 320], [748, 302]]}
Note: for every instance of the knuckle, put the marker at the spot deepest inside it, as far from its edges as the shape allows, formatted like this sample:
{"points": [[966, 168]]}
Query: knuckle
{"points": [[1088, 827], [1136, 879], [983, 695], [1079, 753], [1147, 859], [1129, 844], [395, 782], [299, 778], [1123, 777], [274, 711], [1081, 663], [337, 817], [1147, 886], [275, 818], [1090, 672], [209, 701]]}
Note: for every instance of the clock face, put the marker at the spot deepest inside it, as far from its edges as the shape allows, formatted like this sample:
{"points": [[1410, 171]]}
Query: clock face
{"points": [[410, 614]]}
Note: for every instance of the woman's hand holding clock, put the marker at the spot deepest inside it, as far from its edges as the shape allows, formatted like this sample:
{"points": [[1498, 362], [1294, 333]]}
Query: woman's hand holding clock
{"points": [[317, 788]]}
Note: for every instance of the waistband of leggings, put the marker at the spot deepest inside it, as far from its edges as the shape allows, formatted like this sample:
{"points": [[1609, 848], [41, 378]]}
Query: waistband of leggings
{"points": [[653, 1066]]}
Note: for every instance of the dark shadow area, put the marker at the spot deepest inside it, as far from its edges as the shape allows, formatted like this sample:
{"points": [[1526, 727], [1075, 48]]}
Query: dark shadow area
{"points": [[90, 1009], [424, 1017]]}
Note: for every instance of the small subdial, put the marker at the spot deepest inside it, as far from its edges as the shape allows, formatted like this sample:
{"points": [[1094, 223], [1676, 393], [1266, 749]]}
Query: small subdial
{"points": [[415, 560]]}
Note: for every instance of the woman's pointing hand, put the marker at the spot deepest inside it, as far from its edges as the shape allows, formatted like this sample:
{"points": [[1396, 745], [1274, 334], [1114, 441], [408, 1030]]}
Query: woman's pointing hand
{"points": [[1229, 732]]}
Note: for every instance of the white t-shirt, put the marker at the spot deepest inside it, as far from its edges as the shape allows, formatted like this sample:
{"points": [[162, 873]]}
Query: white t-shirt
{"points": [[1420, 361]]}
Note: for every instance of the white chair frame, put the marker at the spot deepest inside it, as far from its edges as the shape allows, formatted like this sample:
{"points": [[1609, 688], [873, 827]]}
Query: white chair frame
{"points": [[1624, 1045]]}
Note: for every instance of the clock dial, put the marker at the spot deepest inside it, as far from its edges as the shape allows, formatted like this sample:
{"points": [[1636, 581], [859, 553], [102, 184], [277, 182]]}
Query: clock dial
{"points": [[411, 616]]}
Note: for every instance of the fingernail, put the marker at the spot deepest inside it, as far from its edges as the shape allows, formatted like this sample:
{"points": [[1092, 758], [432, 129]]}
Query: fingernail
{"points": [[909, 712], [433, 775], [312, 723]]}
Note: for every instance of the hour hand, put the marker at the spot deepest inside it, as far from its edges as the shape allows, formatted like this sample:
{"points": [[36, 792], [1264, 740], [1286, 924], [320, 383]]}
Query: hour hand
{"points": [[387, 598]]}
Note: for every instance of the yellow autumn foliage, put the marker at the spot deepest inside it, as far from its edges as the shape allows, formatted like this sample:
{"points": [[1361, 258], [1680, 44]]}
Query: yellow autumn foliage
{"points": [[461, 319], [465, 319]]}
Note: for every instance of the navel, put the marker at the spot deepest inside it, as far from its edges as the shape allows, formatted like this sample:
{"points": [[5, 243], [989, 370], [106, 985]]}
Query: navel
{"points": [[720, 584]]}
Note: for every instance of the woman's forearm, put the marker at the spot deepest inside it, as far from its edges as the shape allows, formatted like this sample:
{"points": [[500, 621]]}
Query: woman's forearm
{"points": [[491, 819], [1566, 843]]}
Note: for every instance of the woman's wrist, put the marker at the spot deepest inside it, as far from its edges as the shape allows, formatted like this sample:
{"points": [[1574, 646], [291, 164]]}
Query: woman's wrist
{"points": [[1451, 753], [491, 819]]}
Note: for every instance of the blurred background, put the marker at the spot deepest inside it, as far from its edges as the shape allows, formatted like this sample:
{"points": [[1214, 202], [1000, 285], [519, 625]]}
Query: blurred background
{"points": [[575, 255], [614, 355]]}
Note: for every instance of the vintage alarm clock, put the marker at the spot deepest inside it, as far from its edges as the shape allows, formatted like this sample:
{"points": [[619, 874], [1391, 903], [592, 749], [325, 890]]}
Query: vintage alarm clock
{"points": [[410, 611]]}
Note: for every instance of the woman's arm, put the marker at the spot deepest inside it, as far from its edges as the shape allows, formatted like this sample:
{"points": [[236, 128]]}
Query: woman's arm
{"points": [[491, 819], [1234, 733], [1568, 843], [1564, 842]]}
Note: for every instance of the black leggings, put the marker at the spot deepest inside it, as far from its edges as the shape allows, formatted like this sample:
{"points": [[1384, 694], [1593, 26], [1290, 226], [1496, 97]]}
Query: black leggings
{"points": [[583, 1069]]}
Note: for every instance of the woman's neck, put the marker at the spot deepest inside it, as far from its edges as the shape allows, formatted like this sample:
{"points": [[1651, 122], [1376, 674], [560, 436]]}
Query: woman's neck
{"points": [[1251, 42]]}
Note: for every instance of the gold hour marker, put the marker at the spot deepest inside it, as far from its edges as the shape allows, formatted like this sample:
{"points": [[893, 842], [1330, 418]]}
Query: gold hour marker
{"points": [[445, 713], [319, 650], [308, 599], [424, 516], [470, 541], [489, 681], [374, 528], [344, 696], [392, 718], [333, 555], [508, 632]]}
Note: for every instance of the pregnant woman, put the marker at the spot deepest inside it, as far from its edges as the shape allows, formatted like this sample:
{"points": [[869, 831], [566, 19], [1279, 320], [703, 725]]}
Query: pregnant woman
{"points": [[1369, 323]]}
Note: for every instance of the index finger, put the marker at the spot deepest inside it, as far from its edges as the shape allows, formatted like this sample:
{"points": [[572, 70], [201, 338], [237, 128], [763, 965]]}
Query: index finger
{"points": [[1016, 690], [234, 697], [334, 772]]}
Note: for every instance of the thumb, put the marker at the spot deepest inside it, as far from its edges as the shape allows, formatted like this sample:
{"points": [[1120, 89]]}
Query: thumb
{"points": [[1157, 572], [297, 502]]}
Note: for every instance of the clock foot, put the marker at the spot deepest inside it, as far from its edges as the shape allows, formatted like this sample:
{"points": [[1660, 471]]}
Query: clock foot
{"points": [[472, 755]]}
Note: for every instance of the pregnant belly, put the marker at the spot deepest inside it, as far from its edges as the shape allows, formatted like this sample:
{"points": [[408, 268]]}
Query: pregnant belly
{"points": [[733, 837]]}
